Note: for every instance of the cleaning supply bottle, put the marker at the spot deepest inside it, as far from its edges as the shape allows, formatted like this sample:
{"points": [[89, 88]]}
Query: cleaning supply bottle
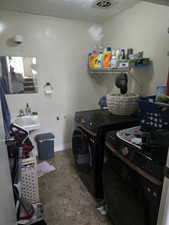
{"points": [[90, 60], [122, 52], [118, 55], [107, 58], [93, 60], [100, 59], [113, 63]]}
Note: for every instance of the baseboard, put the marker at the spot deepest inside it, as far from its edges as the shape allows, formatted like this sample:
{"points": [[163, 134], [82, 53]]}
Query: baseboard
{"points": [[63, 147]]}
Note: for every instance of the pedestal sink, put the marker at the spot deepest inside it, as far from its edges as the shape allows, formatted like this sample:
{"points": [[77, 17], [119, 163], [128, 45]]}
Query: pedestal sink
{"points": [[28, 123]]}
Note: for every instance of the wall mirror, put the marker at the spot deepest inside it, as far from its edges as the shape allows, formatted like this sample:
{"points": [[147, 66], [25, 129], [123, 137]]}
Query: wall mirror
{"points": [[19, 74]]}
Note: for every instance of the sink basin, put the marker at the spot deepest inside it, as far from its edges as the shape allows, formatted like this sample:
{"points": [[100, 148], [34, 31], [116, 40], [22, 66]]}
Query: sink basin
{"points": [[28, 123]]}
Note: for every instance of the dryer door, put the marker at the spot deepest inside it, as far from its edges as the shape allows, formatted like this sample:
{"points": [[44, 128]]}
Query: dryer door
{"points": [[81, 149]]}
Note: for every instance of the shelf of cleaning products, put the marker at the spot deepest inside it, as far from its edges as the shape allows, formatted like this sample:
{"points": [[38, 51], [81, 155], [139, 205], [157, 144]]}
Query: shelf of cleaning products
{"points": [[126, 66]]}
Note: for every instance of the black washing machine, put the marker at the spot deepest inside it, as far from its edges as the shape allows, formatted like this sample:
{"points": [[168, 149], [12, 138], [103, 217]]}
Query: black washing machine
{"points": [[88, 142], [133, 179]]}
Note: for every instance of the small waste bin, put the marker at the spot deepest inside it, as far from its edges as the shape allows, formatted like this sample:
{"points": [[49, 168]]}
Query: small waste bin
{"points": [[45, 144]]}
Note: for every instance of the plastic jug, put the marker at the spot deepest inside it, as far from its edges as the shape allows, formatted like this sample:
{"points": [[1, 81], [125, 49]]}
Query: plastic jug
{"points": [[93, 60], [90, 60], [106, 59]]}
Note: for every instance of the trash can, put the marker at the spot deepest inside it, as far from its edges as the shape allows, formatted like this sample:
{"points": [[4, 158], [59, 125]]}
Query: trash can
{"points": [[45, 144]]}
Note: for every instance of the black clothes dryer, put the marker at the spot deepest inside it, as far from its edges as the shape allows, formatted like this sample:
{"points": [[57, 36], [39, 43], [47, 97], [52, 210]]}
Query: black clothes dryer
{"points": [[88, 142]]}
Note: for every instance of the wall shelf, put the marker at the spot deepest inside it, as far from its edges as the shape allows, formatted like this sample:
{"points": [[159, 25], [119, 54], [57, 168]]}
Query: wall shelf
{"points": [[132, 63], [108, 70]]}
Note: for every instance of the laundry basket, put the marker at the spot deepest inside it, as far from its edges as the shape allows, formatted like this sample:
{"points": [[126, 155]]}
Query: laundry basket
{"points": [[122, 104], [29, 180], [153, 115]]}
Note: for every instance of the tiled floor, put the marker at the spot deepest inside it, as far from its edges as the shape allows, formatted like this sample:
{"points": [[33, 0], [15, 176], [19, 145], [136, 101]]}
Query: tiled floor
{"points": [[65, 198]]}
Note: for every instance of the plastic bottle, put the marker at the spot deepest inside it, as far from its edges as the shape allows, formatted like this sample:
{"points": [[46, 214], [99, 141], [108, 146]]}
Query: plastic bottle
{"points": [[122, 52], [89, 60], [118, 55], [100, 59], [113, 62], [106, 59], [93, 60]]}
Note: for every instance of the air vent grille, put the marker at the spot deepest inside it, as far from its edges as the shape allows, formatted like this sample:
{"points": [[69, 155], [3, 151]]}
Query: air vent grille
{"points": [[103, 4]]}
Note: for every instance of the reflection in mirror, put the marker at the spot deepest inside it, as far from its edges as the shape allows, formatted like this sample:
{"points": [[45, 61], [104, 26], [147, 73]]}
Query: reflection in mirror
{"points": [[19, 74]]}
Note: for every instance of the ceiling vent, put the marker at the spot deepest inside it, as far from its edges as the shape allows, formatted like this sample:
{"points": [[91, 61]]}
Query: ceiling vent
{"points": [[103, 4]]}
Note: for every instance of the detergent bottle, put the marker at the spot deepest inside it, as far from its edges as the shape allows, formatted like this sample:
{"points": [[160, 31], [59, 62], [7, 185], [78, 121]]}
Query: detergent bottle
{"points": [[93, 60], [106, 59], [90, 60]]}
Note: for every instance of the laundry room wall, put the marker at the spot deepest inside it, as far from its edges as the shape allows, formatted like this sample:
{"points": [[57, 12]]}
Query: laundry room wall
{"points": [[61, 47], [143, 27]]}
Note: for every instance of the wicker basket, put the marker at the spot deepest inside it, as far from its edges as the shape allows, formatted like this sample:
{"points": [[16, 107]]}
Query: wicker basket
{"points": [[29, 180], [122, 104]]}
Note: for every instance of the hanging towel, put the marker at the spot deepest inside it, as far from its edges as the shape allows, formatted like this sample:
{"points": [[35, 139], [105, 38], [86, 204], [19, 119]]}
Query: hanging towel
{"points": [[5, 110], [167, 92]]}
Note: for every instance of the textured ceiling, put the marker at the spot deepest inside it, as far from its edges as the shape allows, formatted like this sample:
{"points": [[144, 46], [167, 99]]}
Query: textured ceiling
{"points": [[69, 9]]}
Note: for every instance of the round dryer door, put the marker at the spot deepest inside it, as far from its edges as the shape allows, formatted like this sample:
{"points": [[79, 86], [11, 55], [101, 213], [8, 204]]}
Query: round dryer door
{"points": [[81, 149]]}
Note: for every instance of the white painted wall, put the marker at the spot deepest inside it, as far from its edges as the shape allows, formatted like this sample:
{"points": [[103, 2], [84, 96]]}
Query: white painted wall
{"points": [[61, 47], [143, 27]]}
